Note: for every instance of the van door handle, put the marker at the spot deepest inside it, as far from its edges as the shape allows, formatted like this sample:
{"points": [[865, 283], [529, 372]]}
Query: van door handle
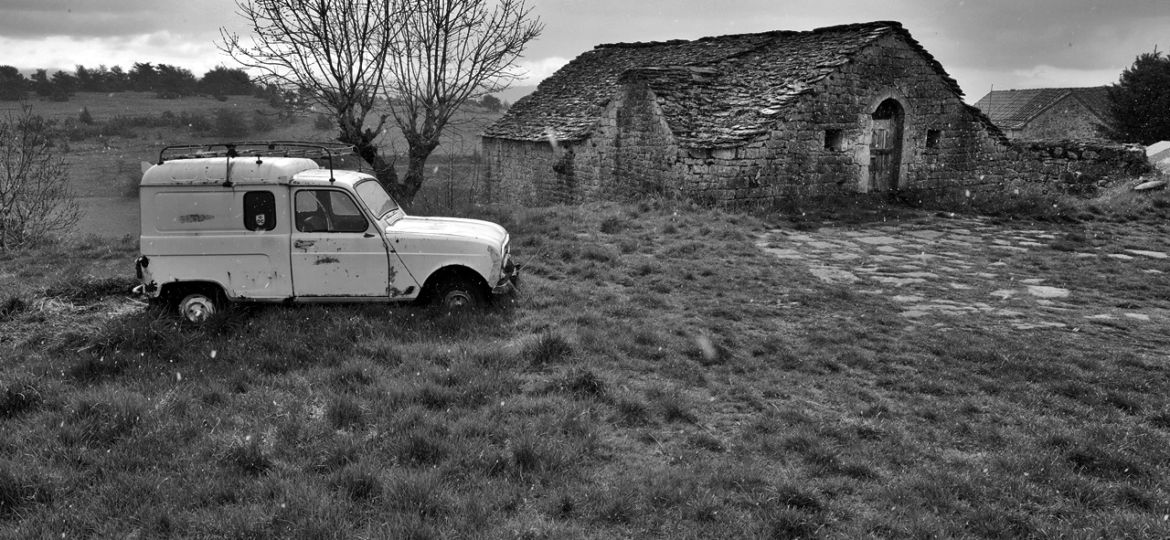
{"points": [[368, 235], [302, 244]]}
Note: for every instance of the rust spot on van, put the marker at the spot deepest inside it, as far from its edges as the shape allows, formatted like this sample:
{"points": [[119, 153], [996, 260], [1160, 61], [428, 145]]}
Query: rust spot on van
{"points": [[195, 218], [395, 293], [327, 260]]}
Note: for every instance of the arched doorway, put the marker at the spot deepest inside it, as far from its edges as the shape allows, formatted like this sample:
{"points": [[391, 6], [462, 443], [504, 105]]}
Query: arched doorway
{"points": [[885, 149]]}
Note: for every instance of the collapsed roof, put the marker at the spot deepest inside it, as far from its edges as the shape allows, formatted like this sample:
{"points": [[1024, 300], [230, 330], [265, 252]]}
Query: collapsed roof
{"points": [[714, 92]]}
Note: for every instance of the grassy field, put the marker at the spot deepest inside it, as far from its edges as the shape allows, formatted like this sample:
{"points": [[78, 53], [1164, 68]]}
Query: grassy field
{"points": [[660, 376], [110, 166]]}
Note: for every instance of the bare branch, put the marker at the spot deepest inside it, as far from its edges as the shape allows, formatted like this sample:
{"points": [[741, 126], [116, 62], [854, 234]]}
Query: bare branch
{"points": [[447, 52], [333, 50]]}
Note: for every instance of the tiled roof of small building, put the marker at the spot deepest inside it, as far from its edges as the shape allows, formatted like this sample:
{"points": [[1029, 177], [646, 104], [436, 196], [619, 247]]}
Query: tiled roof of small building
{"points": [[716, 91], [1013, 109]]}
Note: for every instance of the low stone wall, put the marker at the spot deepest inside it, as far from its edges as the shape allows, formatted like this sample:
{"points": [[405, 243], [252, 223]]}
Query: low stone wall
{"points": [[1074, 166]]}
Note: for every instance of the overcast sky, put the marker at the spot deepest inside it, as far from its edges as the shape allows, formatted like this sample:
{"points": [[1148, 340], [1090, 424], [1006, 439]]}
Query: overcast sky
{"points": [[981, 43]]}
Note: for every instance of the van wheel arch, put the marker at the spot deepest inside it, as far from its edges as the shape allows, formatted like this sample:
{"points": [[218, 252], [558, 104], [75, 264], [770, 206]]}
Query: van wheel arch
{"points": [[455, 286], [194, 301]]}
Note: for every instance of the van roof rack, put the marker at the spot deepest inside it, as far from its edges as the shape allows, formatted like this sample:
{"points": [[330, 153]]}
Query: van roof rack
{"points": [[312, 150], [256, 149]]}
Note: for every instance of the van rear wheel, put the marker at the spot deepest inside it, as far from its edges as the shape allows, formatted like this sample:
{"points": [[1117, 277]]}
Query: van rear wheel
{"points": [[198, 307]]}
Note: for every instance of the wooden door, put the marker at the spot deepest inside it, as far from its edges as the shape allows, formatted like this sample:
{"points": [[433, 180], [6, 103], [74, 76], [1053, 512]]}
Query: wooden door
{"points": [[885, 148]]}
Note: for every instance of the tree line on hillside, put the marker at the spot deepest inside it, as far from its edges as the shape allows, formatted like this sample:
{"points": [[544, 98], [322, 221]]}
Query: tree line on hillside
{"points": [[165, 80]]}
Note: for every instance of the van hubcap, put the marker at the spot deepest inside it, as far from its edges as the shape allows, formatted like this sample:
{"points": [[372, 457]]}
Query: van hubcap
{"points": [[457, 299], [197, 309]]}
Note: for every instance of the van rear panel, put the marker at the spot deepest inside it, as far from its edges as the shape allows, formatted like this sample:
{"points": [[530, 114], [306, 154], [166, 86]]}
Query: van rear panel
{"points": [[235, 237]]}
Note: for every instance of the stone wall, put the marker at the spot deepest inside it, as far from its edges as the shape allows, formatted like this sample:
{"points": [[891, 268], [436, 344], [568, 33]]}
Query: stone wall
{"points": [[1067, 119], [793, 161], [643, 147], [946, 144], [1073, 166]]}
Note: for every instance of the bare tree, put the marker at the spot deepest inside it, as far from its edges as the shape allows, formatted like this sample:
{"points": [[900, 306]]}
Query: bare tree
{"points": [[35, 201], [335, 51], [446, 52]]}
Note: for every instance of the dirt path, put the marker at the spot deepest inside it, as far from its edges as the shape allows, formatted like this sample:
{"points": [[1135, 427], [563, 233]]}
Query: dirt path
{"points": [[937, 270]]}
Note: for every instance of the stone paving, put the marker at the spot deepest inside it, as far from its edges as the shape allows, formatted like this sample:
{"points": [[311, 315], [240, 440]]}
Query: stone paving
{"points": [[945, 268]]}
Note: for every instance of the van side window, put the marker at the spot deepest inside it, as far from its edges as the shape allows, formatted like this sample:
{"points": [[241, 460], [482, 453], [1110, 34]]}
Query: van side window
{"points": [[326, 210], [259, 211]]}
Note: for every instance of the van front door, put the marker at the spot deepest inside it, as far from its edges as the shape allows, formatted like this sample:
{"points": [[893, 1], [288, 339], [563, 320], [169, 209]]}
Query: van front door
{"points": [[335, 251]]}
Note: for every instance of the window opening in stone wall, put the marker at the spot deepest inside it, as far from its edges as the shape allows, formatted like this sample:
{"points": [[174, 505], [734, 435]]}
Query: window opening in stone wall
{"points": [[833, 139], [932, 137]]}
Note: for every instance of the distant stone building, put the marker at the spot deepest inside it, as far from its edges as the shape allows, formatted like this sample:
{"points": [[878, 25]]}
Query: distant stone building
{"points": [[742, 118], [1048, 113]]}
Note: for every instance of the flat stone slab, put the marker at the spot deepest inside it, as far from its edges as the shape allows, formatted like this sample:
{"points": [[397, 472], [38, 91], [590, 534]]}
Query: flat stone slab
{"points": [[1150, 186], [829, 274], [783, 253], [1150, 254], [1043, 291], [878, 240], [1039, 325], [1137, 316], [925, 234], [897, 281]]}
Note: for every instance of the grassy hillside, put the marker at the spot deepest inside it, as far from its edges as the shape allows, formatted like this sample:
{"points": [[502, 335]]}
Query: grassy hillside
{"points": [[105, 157], [661, 376]]}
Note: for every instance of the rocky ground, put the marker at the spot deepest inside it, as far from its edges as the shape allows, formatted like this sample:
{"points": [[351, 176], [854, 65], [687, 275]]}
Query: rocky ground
{"points": [[968, 270]]}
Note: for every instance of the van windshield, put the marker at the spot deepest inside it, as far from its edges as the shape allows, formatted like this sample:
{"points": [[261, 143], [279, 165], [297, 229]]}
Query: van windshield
{"points": [[377, 200]]}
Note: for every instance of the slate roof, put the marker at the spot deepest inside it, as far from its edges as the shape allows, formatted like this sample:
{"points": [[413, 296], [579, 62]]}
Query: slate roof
{"points": [[1013, 109], [714, 91]]}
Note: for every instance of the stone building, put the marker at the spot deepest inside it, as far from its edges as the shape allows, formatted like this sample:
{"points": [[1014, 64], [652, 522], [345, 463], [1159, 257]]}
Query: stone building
{"points": [[741, 118], [1048, 113]]}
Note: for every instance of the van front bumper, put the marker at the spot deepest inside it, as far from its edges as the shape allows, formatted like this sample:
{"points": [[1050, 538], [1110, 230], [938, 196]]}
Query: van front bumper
{"points": [[509, 279]]}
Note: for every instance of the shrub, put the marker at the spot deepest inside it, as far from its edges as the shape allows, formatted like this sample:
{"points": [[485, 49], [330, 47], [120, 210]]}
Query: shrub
{"points": [[322, 122], [261, 122], [229, 124], [549, 348], [35, 200]]}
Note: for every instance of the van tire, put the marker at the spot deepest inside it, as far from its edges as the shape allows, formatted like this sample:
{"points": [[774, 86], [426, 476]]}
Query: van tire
{"points": [[198, 307], [458, 294]]}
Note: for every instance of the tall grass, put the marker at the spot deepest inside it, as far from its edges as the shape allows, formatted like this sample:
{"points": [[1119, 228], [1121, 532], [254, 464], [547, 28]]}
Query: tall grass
{"points": [[659, 376]]}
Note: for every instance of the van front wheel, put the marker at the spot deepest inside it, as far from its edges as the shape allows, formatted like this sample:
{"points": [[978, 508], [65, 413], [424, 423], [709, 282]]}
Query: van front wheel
{"points": [[458, 294], [197, 307]]}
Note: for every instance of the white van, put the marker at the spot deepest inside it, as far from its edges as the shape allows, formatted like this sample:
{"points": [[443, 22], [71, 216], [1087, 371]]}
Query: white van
{"points": [[263, 222]]}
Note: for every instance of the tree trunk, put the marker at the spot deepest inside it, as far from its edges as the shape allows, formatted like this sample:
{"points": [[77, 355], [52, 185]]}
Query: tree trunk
{"points": [[383, 169], [415, 168]]}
